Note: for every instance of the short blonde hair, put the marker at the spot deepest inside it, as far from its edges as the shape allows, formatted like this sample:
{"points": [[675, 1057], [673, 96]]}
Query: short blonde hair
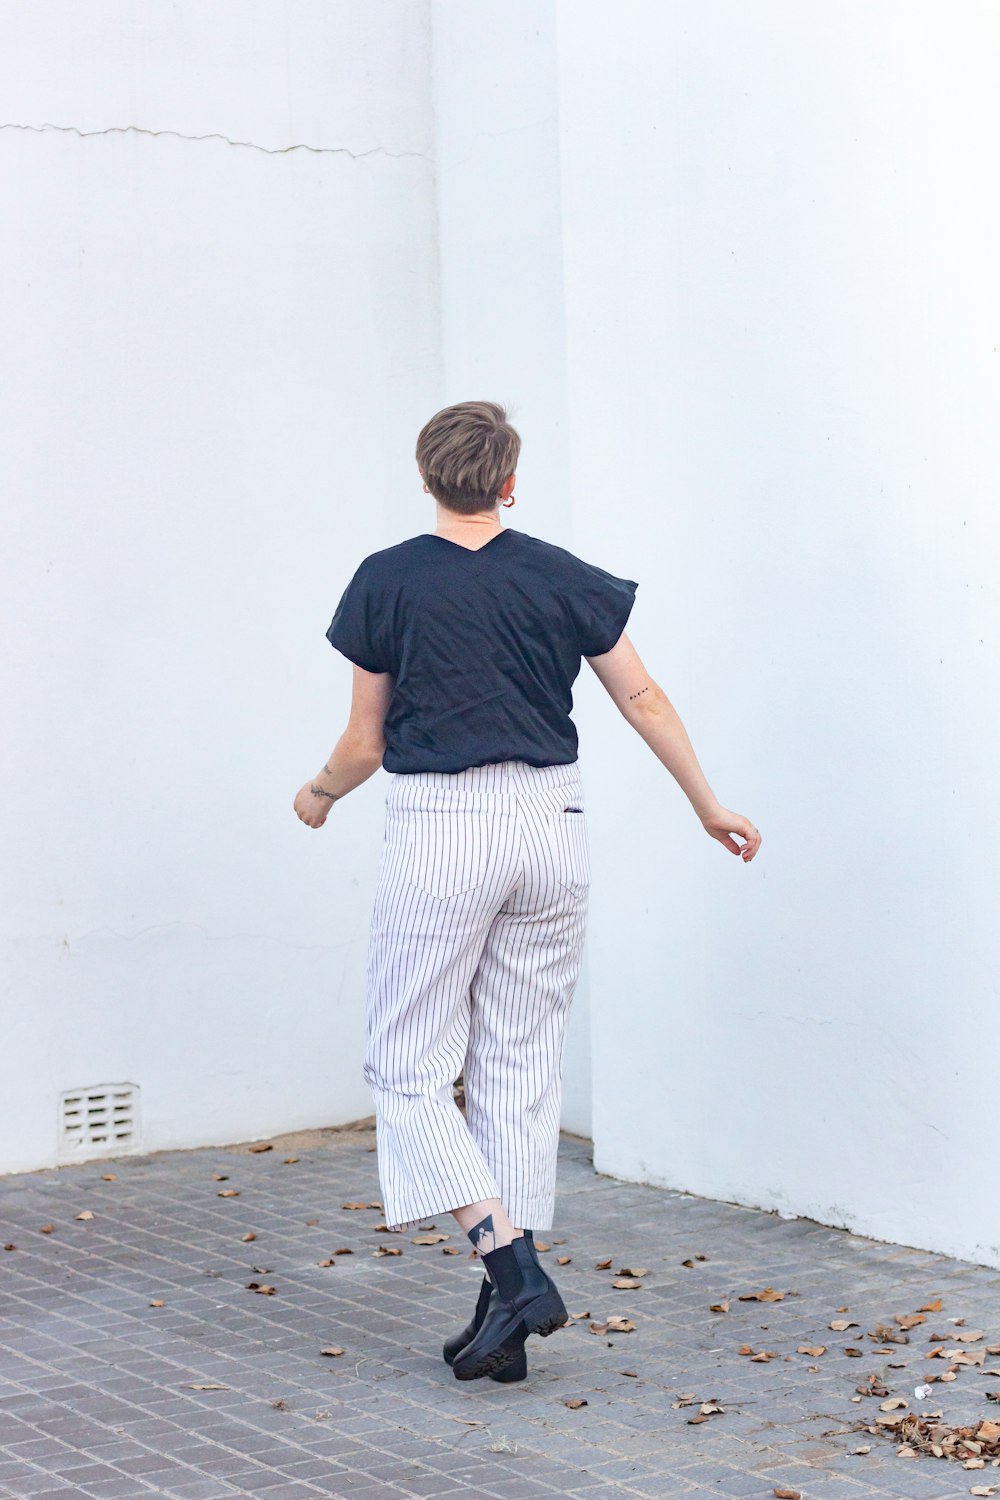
{"points": [[466, 452]]}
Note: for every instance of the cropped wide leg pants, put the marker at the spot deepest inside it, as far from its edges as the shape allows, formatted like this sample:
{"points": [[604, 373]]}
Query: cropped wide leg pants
{"points": [[474, 953]]}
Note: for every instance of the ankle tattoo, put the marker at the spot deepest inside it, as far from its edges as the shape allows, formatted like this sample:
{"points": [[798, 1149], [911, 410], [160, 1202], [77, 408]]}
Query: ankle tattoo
{"points": [[483, 1236]]}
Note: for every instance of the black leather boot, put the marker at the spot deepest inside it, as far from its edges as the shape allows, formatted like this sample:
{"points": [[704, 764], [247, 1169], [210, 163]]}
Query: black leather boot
{"points": [[526, 1301], [518, 1367]]}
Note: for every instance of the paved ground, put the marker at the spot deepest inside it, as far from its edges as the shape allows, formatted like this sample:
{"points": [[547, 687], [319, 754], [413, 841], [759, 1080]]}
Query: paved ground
{"points": [[112, 1327]]}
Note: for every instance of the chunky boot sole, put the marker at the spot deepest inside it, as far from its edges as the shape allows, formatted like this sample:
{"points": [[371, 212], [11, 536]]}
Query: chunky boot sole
{"points": [[515, 1369], [543, 1315]]}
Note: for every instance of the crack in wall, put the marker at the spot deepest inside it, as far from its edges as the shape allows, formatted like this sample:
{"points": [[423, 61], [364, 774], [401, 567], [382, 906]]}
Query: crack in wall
{"points": [[211, 136]]}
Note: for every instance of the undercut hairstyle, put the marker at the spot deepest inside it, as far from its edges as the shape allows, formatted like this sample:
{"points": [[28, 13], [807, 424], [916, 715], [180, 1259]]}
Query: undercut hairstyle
{"points": [[466, 452]]}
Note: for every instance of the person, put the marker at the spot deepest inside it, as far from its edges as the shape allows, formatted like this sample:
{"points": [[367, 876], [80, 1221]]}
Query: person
{"points": [[465, 643]]}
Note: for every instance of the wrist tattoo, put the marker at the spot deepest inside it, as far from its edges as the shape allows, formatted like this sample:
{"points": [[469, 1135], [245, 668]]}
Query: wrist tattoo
{"points": [[318, 791]]}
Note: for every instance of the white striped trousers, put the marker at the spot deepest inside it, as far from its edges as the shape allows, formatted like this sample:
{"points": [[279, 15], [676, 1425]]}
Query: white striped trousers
{"points": [[474, 953]]}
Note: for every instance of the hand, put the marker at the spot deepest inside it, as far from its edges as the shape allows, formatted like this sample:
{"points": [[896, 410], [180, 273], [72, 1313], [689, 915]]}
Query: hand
{"points": [[312, 805], [722, 823]]}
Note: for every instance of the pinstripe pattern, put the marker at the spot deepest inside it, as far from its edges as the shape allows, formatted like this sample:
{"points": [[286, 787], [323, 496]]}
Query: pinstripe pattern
{"points": [[474, 953]]}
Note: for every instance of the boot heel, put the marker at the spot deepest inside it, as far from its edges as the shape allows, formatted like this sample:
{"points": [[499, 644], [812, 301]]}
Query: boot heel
{"points": [[545, 1314]]}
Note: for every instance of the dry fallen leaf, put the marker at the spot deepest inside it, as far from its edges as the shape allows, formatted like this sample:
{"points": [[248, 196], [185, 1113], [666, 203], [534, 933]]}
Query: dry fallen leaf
{"points": [[935, 1306], [564, 1260], [603, 1265], [333, 1350], [909, 1320], [450, 1250], [719, 1306], [627, 1271], [983, 1489], [893, 1404], [262, 1146], [627, 1283], [261, 1287], [781, 1493], [213, 1386], [634, 1374], [248, 1236], [325, 1263], [813, 1350], [85, 1215], [575, 1402], [109, 1176], [767, 1295], [428, 1239], [853, 1353], [228, 1193], [542, 1247], [289, 1160], [387, 1250], [763, 1355], [620, 1325], [220, 1176], [839, 1324], [158, 1303]]}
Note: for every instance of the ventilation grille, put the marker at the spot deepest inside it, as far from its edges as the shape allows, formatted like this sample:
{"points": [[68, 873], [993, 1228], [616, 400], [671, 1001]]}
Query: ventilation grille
{"points": [[102, 1120]]}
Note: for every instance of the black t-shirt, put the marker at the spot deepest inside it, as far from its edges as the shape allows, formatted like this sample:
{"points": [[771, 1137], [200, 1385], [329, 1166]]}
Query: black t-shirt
{"points": [[484, 645]]}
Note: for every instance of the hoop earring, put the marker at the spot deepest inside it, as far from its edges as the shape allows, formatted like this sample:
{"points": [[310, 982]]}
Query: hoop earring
{"points": [[507, 502]]}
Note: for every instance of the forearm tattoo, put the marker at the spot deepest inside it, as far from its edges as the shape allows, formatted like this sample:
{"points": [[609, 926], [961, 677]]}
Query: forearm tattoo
{"points": [[638, 694], [482, 1235]]}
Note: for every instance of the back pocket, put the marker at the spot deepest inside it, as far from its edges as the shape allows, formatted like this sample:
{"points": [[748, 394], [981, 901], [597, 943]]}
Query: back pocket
{"points": [[447, 853], [571, 846]]}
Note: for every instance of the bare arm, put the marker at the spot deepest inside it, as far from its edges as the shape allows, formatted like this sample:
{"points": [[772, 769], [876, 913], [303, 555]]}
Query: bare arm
{"points": [[644, 704], [356, 755]]}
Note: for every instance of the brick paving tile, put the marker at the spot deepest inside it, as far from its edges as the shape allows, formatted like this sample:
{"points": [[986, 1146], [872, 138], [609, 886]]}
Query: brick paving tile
{"points": [[99, 1390]]}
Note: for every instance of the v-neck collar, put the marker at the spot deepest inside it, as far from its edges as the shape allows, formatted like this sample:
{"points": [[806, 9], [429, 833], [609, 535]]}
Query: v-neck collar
{"points": [[473, 550]]}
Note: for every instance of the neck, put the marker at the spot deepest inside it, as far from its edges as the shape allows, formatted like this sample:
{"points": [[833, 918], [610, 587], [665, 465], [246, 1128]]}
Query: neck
{"points": [[449, 520]]}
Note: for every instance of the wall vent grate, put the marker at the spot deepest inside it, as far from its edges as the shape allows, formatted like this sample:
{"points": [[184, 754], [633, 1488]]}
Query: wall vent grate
{"points": [[101, 1120]]}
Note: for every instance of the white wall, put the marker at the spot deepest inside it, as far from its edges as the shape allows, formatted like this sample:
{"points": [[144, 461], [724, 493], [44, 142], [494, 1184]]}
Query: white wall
{"points": [[210, 351], [779, 230], [499, 222]]}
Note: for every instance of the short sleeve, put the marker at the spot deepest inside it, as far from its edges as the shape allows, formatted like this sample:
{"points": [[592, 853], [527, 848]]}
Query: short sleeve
{"points": [[359, 629], [600, 604]]}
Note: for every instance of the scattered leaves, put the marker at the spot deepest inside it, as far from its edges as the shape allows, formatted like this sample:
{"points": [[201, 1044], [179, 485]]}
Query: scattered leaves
{"points": [[621, 1325], [387, 1250], [969, 1446], [261, 1287]]}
